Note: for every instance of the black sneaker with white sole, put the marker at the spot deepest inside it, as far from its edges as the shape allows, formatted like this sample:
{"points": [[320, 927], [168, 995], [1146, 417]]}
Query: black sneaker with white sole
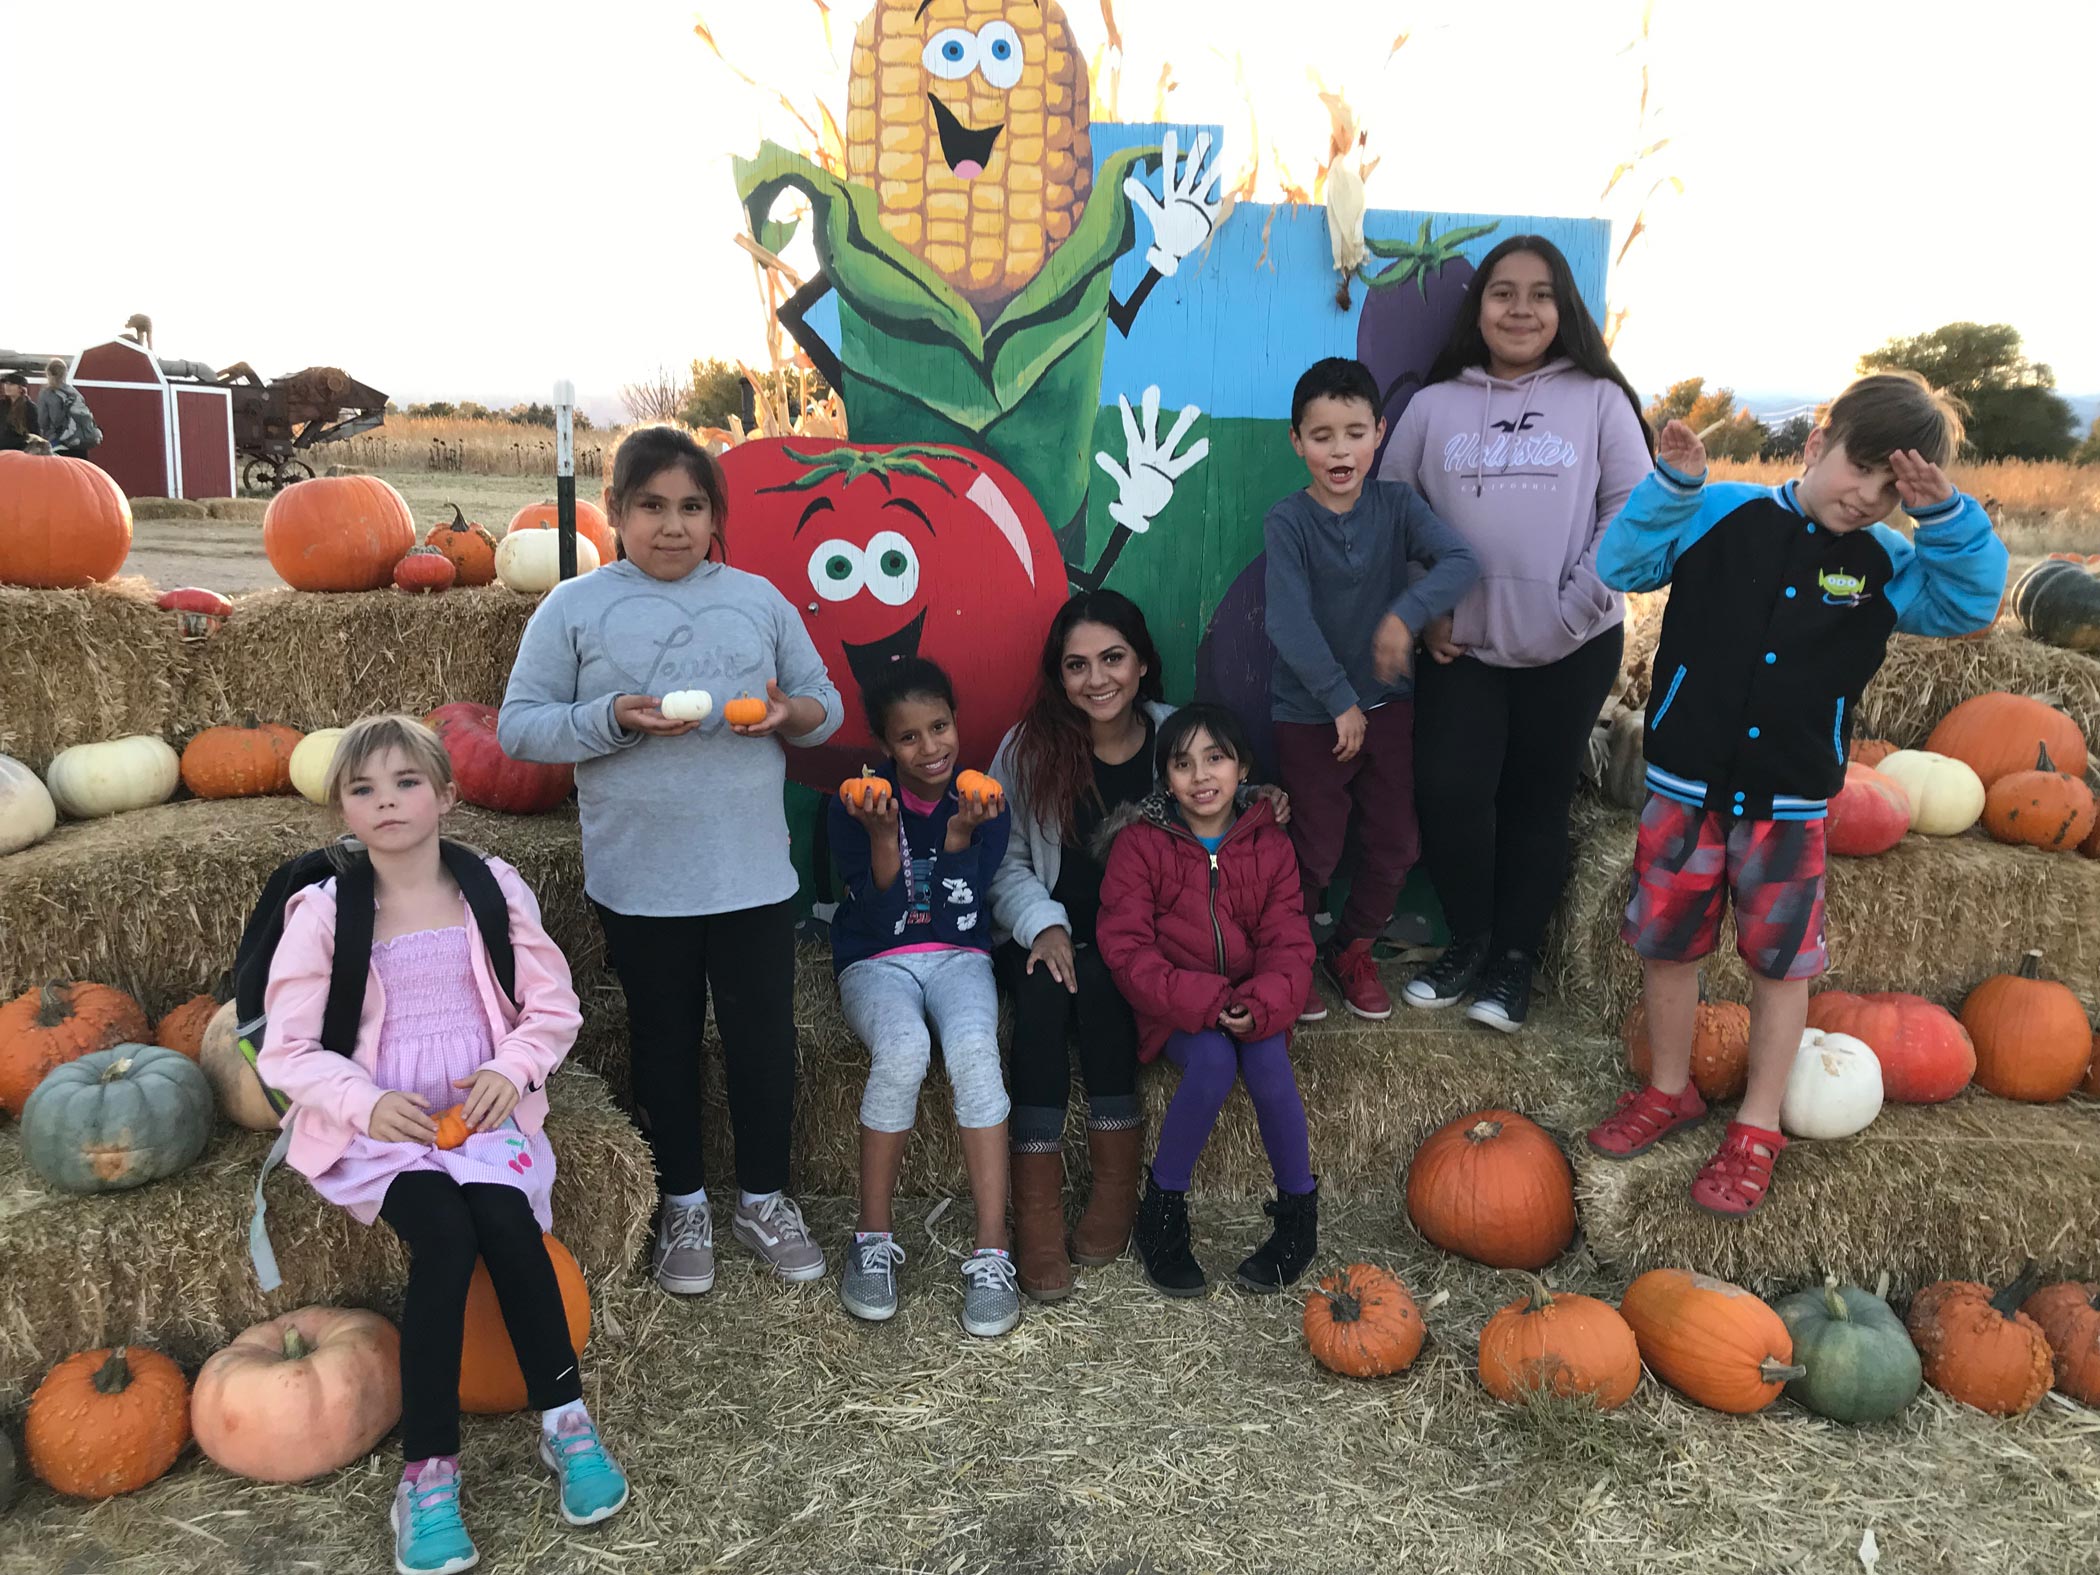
{"points": [[1445, 981], [1503, 998]]}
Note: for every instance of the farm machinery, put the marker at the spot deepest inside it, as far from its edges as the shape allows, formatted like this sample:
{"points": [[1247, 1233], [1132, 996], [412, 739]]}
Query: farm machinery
{"points": [[276, 420]]}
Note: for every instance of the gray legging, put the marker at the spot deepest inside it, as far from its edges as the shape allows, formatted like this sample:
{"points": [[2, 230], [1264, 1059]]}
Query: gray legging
{"points": [[889, 1001]]}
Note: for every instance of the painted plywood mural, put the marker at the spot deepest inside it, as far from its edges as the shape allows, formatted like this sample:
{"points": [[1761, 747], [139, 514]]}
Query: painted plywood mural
{"points": [[1064, 363]]}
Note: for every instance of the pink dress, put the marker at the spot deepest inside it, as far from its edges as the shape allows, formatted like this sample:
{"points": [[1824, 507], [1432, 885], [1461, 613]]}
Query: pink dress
{"points": [[432, 1033]]}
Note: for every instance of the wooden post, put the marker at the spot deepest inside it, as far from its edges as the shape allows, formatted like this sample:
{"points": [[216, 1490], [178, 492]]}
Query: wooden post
{"points": [[565, 474]]}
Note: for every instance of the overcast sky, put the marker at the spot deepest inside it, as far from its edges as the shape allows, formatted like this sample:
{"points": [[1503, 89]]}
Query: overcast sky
{"points": [[454, 198]]}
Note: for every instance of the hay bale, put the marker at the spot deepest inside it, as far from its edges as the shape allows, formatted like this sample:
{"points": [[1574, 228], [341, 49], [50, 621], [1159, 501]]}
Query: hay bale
{"points": [[1923, 680], [316, 659], [1644, 621], [169, 1263], [168, 509], [1934, 916], [78, 667], [1965, 1190], [242, 511], [153, 901]]}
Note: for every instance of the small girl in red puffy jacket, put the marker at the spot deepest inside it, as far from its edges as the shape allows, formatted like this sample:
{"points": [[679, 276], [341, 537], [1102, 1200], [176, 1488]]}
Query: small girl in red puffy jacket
{"points": [[1203, 926]]}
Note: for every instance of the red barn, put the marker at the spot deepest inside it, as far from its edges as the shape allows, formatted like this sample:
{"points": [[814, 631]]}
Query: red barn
{"points": [[160, 438]]}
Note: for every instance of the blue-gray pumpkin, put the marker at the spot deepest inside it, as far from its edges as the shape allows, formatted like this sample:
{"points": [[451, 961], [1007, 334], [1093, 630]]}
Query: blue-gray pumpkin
{"points": [[118, 1118], [1862, 1366]]}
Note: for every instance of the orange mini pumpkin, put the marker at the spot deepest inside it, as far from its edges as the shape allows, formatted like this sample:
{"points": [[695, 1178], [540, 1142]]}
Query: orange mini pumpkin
{"points": [[864, 791], [424, 569], [1977, 1346], [2032, 1040], [490, 1381], [1720, 1046], [744, 711], [469, 548], [240, 760], [976, 782], [2043, 808], [590, 523], [107, 1422], [1711, 1341], [183, 1028], [1362, 1323], [452, 1128], [1493, 1187], [2069, 1315], [337, 533], [1560, 1344], [45, 1028]]}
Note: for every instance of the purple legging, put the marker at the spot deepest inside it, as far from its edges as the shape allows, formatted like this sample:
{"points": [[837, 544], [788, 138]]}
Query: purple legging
{"points": [[1209, 1061]]}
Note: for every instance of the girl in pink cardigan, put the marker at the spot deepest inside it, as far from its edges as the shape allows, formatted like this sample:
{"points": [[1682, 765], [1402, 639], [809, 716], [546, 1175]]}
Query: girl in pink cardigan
{"points": [[437, 1031]]}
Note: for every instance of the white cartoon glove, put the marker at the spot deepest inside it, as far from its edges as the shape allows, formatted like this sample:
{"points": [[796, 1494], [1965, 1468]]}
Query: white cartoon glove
{"points": [[1148, 485], [1185, 219]]}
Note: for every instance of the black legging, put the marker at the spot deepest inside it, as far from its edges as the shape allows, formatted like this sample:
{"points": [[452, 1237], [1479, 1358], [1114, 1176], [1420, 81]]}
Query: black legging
{"points": [[1498, 752], [1039, 1072], [446, 1226], [666, 966]]}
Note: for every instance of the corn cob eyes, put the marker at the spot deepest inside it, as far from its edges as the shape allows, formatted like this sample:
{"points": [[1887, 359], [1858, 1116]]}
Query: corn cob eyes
{"points": [[970, 122]]}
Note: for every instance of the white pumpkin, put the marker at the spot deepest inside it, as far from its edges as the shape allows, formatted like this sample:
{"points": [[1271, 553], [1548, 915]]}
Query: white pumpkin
{"points": [[1946, 795], [688, 705], [530, 560], [26, 811], [311, 758], [92, 780], [1834, 1089]]}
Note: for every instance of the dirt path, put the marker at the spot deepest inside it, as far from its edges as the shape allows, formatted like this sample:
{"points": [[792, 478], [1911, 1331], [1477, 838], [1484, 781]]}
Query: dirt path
{"points": [[218, 554]]}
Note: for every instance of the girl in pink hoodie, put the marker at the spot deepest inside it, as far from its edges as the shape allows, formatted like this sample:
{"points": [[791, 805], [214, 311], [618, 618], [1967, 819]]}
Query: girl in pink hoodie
{"points": [[437, 1031], [1526, 440]]}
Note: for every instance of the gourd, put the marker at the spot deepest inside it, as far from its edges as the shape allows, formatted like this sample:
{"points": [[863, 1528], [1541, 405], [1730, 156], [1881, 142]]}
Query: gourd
{"points": [[1946, 796], [1834, 1088], [452, 1128], [311, 758], [1493, 1187], [89, 781], [865, 791], [1861, 1365], [299, 1396], [200, 611], [687, 705], [117, 1119], [744, 711], [107, 1421], [1977, 1346], [1362, 1323], [42, 1029], [2068, 1314], [975, 784], [1720, 1046], [2058, 602], [182, 1028], [424, 569]]}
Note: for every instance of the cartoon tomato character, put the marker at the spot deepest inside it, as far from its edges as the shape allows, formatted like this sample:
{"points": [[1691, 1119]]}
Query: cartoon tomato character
{"points": [[893, 550]]}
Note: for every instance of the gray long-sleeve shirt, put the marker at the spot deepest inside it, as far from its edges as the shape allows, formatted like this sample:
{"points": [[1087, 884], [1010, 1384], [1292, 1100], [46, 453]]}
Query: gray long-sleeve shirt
{"points": [[671, 826], [1332, 578]]}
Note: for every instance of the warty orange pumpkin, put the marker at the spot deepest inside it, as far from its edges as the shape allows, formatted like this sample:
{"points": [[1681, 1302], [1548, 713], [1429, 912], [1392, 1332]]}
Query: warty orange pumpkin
{"points": [[106, 1422], [45, 1028], [1977, 1346]]}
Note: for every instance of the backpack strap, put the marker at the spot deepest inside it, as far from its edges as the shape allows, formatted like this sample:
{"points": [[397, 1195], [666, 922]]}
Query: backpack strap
{"points": [[356, 907], [265, 928], [491, 910]]}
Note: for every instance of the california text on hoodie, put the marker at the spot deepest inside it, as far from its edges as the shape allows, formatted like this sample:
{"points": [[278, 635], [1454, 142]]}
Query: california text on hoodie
{"points": [[1529, 472]]}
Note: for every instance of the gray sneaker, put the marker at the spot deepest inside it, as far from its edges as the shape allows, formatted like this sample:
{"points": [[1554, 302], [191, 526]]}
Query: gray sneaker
{"points": [[868, 1286], [991, 1293], [774, 1229], [684, 1260]]}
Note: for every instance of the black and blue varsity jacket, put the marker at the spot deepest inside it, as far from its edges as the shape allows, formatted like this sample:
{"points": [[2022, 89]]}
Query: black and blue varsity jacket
{"points": [[1774, 627]]}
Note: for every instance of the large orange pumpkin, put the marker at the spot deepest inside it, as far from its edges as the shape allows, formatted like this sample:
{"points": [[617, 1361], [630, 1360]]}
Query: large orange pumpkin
{"points": [[2068, 1314], [1998, 733], [183, 1028], [63, 522], [1362, 1323], [1979, 1347], [107, 1422], [2042, 808], [2032, 1039], [244, 760], [470, 549], [590, 521], [1720, 1047], [1711, 1341], [338, 533], [1493, 1187], [1559, 1344], [1925, 1053], [299, 1396], [490, 1382], [45, 1028]]}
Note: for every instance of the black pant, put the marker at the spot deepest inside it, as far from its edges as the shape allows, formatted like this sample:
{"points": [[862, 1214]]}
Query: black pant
{"points": [[1498, 752], [666, 967], [446, 1226], [1040, 1068]]}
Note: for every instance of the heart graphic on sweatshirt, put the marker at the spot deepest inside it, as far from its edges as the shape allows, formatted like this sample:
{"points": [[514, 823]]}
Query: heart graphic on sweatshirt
{"points": [[656, 644]]}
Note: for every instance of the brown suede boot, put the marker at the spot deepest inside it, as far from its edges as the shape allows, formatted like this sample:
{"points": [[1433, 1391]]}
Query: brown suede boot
{"points": [[1038, 1185], [1103, 1230]]}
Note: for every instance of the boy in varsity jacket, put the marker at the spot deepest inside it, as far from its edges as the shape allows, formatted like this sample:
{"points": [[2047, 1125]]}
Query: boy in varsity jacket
{"points": [[1782, 600]]}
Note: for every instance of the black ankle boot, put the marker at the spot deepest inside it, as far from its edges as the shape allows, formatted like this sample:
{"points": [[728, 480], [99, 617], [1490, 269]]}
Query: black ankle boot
{"points": [[1162, 1236], [1291, 1246]]}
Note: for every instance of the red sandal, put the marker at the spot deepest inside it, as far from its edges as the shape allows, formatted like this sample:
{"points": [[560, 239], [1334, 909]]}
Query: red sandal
{"points": [[1644, 1118], [1734, 1182]]}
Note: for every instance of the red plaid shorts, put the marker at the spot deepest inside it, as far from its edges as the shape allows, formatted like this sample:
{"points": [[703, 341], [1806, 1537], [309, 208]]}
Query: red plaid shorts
{"points": [[1689, 864]]}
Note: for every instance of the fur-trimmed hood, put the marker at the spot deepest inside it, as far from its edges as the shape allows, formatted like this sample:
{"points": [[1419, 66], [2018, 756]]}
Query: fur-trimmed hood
{"points": [[1158, 808]]}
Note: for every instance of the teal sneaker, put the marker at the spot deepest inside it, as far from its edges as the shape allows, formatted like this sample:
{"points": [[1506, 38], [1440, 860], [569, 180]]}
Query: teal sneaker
{"points": [[429, 1536], [593, 1487]]}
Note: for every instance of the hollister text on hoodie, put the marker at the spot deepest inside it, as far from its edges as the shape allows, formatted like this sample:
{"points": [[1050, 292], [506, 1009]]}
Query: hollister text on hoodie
{"points": [[1776, 624]]}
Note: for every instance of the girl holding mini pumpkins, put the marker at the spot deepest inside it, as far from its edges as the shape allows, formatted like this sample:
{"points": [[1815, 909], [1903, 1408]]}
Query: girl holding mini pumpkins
{"points": [[685, 840], [436, 1030]]}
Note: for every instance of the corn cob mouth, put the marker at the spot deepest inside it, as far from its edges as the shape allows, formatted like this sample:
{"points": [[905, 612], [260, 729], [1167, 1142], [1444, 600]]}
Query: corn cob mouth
{"points": [[967, 150], [868, 661]]}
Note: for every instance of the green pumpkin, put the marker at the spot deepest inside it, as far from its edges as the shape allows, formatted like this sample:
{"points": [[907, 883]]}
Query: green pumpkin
{"points": [[2058, 602], [1861, 1364], [118, 1118]]}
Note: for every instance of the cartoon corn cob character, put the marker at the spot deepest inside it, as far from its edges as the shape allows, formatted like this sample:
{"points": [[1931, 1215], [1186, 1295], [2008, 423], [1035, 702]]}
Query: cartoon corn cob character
{"points": [[969, 120]]}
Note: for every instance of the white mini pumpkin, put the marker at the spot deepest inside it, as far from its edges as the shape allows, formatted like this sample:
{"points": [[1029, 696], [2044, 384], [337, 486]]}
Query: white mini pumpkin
{"points": [[26, 811], [1946, 796], [1834, 1089], [688, 705], [530, 560], [311, 758], [92, 780]]}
